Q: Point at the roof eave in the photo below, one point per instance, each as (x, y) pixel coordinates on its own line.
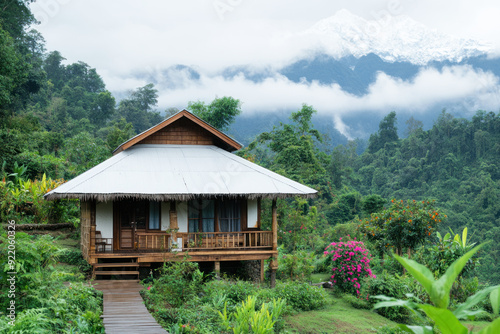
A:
(168, 197)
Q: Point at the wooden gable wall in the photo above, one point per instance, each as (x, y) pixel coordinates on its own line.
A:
(181, 132)
(182, 128)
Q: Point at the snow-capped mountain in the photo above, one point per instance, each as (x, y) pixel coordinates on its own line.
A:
(392, 38)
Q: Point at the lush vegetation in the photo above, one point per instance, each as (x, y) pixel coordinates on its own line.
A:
(50, 297)
(399, 190)
(202, 304)
(439, 294)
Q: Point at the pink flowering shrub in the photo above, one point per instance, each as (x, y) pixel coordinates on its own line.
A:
(351, 263)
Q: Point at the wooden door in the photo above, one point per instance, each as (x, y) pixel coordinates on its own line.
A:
(133, 216)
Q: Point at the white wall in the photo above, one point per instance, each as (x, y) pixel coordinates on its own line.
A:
(104, 219)
(182, 216)
(252, 213)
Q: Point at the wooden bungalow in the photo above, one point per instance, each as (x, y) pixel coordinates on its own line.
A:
(175, 189)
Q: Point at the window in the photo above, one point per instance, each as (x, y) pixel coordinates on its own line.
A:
(214, 216)
(154, 215)
(141, 215)
(201, 215)
(229, 216)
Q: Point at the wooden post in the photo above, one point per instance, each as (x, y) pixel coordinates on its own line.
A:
(217, 269)
(92, 240)
(274, 261)
(275, 226)
(262, 276)
(174, 226)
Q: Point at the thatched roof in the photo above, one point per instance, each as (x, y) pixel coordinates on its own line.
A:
(177, 172)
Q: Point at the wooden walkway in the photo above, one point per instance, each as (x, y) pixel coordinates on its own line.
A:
(124, 310)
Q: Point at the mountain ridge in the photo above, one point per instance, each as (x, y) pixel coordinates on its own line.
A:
(392, 37)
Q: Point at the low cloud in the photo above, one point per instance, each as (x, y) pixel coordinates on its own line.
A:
(464, 86)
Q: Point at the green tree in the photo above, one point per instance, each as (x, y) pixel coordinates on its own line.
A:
(83, 151)
(373, 203)
(55, 69)
(293, 145)
(220, 113)
(82, 75)
(139, 108)
(15, 17)
(340, 165)
(387, 133)
(413, 126)
(118, 133)
(402, 225)
(171, 111)
(102, 108)
(13, 71)
(343, 208)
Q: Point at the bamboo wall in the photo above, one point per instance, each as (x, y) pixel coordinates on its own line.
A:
(85, 222)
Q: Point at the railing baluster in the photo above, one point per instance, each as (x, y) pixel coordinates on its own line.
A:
(206, 240)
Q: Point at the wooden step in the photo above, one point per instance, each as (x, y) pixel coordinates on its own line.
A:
(107, 273)
(113, 265)
(115, 256)
(111, 283)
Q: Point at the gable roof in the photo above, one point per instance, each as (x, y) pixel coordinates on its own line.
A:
(177, 172)
(220, 139)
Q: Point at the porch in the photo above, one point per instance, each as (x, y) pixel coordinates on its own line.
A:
(147, 242)
(126, 253)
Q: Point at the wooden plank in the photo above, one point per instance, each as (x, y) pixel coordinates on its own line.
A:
(110, 265)
(117, 272)
(124, 310)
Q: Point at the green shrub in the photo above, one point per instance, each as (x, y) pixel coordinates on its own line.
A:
(443, 318)
(74, 257)
(463, 288)
(235, 291)
(295, 266)
(44, 304)
(199, 312)
(247, 319)
(445, 251)
(194, 317)
(357, 302)
(340, 231)
(389, 285)
(300, 296)
(323, 264)
(387, 264)
(22, 201)
(180, 281)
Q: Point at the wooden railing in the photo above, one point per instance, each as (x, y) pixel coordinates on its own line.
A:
(226, 240)
(152, 241)
(200, 241)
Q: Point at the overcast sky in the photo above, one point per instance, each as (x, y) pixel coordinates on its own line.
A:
(122, 37)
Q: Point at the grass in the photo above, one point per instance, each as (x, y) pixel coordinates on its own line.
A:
(338, 317)
(475, 326)
(318, 278)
